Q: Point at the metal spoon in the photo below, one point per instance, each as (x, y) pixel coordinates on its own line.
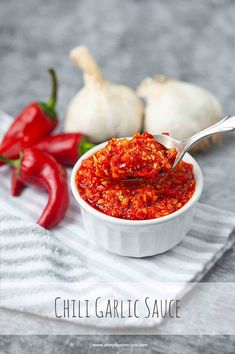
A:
(224, 125)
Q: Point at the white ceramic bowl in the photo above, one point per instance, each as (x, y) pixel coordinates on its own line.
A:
(137, 238)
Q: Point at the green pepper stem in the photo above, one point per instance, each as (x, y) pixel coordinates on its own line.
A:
(84, 146)
(12, 163)
(54, 86)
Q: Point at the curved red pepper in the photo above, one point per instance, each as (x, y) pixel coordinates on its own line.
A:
(38, 168)
(16, 185)
(34, 123)
(66, 148)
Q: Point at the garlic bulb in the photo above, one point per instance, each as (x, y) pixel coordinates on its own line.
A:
(102, 110)
(179, 108)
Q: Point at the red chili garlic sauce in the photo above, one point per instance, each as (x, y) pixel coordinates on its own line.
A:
(100, 179)
(140, 156)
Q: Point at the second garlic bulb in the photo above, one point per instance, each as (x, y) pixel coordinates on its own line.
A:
(179, 108)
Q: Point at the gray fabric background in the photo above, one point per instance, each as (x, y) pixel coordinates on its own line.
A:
(131, 39)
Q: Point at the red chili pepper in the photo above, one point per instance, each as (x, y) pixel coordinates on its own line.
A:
(16, 185)
(34, 123)
(38, 168)
(66, 148)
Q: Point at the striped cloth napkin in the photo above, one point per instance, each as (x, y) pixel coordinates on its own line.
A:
(37, 265)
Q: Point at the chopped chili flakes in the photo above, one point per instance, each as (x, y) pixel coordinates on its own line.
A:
(152, 196)
(141, 156)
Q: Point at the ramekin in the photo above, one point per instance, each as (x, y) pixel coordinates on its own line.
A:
(137, 238)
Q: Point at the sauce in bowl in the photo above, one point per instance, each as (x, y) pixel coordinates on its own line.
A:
(106, 180)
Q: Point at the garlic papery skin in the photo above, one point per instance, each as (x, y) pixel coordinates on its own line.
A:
(102, 110)
(182, 109)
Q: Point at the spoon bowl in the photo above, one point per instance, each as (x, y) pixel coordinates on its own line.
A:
(171, 143)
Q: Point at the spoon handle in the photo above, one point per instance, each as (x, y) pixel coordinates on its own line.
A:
(224, 125)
